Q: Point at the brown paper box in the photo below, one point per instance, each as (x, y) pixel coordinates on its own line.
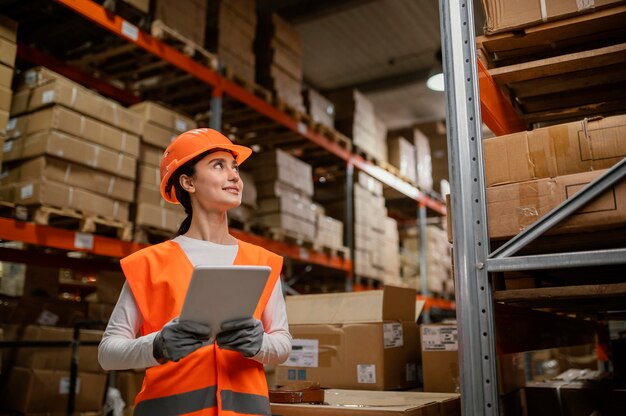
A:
(157, 135)
(187, 17)
(8, 51)
(511, 208)
(6, 76)
(504, 15)
(5, 98)
(164, 117)
(50, 88)
(555, 151)
(4, 119)
(63, 196)
(71, 122)
(129, 384)
(389, 361)
(31, 391)
(155, 216)
(150, 155)
(66, 147)
(148, 175)
(8, 29)
(71, 174)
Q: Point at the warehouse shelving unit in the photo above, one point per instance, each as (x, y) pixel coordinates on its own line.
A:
(480, 321)
(216, 92)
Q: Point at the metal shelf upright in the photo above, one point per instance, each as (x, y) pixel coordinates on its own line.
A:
(472, 256)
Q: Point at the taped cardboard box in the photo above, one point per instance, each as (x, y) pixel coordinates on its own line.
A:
(558, 150)
(6, 76)
(289, 223)
(369, 403)
(155, 216)
(4, 119)
(150, 155)
(60, 171)
(45, 88)
(503, 15)
(164, 117)
(5, 98)
(75, 124)
(148, 175)
(8, 29)
(158, 136)
(44, 192)
(72, 149)
(402, 155)
(295, 205)
(31, 391)
(333, 355)
(57, 358)
(187, 17)
(390, 304)
(151, 195)
(8, 52)
(512, 208)
(320, 108)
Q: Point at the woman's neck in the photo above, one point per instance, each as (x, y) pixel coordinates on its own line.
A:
(211, 227)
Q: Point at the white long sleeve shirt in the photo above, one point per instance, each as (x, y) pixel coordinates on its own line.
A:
(120, 349)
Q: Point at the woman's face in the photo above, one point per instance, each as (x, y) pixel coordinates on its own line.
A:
(216, 185)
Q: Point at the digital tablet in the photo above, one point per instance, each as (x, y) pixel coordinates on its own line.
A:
(218, 294)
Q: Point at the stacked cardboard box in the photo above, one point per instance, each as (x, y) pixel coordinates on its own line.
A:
(330, 331)
(8, 50)
(355, 117)
(390, 252)
(109, 285)
(503, 15)
(38, 381)
(186, 17)
(279, 59)
(231, 27)
(320, 108)
(245, 212)
(329, 231)
(529, 173)
(438, 259)
(160, 126)
(402, 155)
(69, 147)
(284, 190)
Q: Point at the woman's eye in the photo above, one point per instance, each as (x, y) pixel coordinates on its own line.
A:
(236, 168)
(219, 165)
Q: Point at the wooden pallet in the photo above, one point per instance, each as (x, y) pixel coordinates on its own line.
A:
(69, 219)
(341, 252)
(367, 156)
(248, 85)
(580, 33)
(288, 237)
(292, 111)
(396, 172)
(188, 47)
(333, 135)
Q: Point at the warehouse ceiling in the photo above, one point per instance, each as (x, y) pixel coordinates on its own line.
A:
(386, 48)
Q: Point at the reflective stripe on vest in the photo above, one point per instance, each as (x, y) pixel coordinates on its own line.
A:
(245, 403)
(178, 404)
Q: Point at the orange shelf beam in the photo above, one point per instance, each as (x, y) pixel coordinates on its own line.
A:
(45, 236)
(497, 111)
(120, 27)
(295, 252)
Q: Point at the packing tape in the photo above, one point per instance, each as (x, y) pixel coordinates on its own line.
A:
(70, 196)
(116, 208)
(120, 161)
(74, 94)
(544, 10)
(96, 156)
(123, 147)
(111, 185)
(585, 4)
(68, 172)
(82, 124)
(115, 115)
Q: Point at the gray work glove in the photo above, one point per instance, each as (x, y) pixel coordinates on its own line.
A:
(177, 339)
(243, 335)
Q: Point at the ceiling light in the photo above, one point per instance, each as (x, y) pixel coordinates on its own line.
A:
(435, 81)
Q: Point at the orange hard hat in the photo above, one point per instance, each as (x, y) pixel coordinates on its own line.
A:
(189, 145)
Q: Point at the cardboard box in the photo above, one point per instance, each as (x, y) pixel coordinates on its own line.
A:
(75, 124)
(158, 136)
(42, 311)
(288, 223)
(558, 150)
(60, 171)
(369, 403)
(511, 208)
(4, 120)
(72, 149)
(148, 175)
(187, 17)
(30, 391)
(50, 358)
(8, 29)
(333, 355)
(129, 384)
(249, 195)
(503, 15)
(390, 304)
(280, 166)
(141, 5)
(294, 205)
(6, 77)
(164, 117)
(35, 192)
(402, 155)
(150, 155)
(320, 108)
(440, 358)
(155, 216)
(47, 88)
(8, 51)
(5, 98)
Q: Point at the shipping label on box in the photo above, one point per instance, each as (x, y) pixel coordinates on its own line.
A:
(366, 373)
(393, 335)
(439, 338)
(304, 353)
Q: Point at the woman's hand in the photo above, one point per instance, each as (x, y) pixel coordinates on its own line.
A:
(242, 335)
(178, 339)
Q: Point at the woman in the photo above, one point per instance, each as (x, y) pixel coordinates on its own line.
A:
(199, 170)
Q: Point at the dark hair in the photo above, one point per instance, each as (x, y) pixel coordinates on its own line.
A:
(189, 169)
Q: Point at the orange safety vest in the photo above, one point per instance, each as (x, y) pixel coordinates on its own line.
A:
(211, 380)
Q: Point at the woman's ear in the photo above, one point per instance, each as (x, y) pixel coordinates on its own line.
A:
(187, 183)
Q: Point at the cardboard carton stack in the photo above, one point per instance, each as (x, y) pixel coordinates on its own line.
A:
(438, 260)
(70, 148)
(160, 126)
(402, 155)
(529, 173)
(186, 17)
(38, 380)
(330, 330)
(355, 117)
(320, 108)
(279, 60)
(8, 50)
(284, 190)
(231, 27)
(329, 231)
(390, 252)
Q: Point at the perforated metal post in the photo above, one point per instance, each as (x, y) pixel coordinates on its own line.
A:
(474, 305)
